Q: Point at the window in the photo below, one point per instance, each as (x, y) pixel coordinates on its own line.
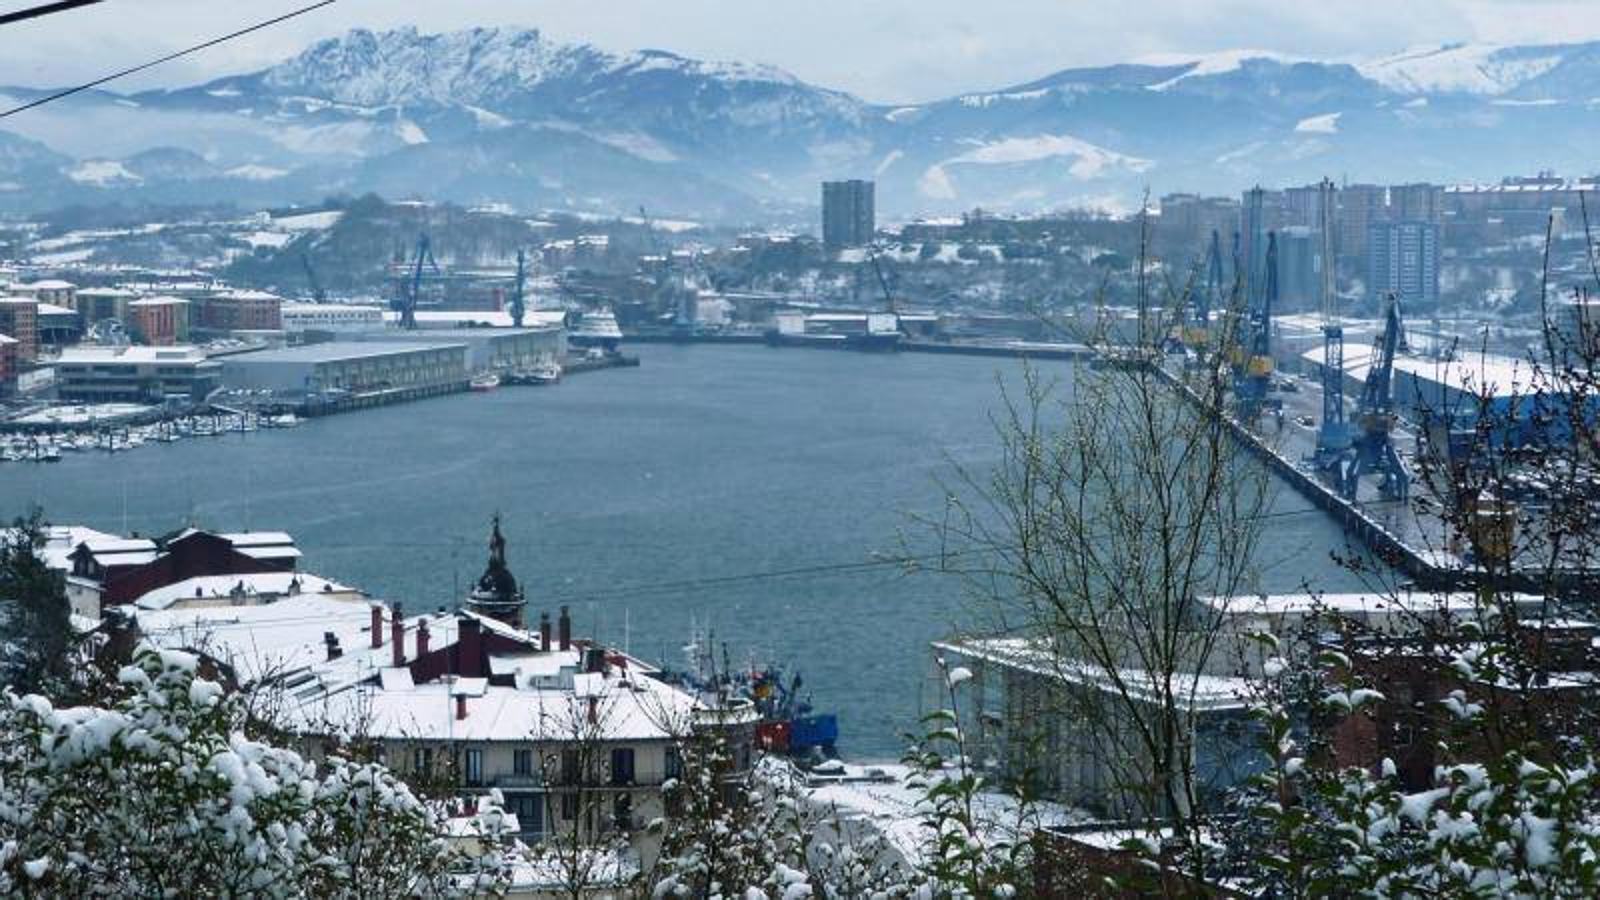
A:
(529, 810)
(622, 812)
(474, 766)
(674, 763)
(422, 760)
(522, 762)
(622, 765)
(569, 767)
(569, 806)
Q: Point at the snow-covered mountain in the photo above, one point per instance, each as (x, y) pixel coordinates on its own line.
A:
(508, 115)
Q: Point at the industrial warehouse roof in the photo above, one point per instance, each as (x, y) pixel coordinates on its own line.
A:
(1473, 372)
(533, 319)
(135, 354)
(336, 351)
(1203, 692)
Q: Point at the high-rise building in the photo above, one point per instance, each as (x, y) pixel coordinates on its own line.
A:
(1403, 259)
(849, 216)
(1299, 267)
(1261, 213)
(1420, 202)
(1359, 205)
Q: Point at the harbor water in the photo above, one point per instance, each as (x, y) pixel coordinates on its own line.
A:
(740, 488)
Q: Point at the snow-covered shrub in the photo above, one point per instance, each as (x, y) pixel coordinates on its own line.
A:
(163, 794)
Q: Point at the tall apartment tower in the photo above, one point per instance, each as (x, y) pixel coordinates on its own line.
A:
(1403, 259)
(849, 215)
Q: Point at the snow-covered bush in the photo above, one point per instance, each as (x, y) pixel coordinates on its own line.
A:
(1521, 823)
(163, 794)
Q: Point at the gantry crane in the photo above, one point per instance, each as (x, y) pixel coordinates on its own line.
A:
(1250, 390)
(411, 290)
(1333, 434)
(1374, 447)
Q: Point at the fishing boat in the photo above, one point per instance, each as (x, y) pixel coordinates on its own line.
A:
(486, 382)
(789, 725)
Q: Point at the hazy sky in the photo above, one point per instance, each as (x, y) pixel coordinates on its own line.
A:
(883, 50)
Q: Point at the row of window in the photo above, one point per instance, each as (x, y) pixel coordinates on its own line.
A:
(622, 771)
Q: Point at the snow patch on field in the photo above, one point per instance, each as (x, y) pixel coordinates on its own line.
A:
(252, 172)
(102, 173)
(410, 132)
(1484, 69)
(1219, 63)
(309, 221)
(1323, 124)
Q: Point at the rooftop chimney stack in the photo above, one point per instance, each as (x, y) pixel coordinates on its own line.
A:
(422, 637)
(398, 626)
(461, 706)
(594, 710)
(377, 625)
(332, 641)
(544, 631)
(564, 629)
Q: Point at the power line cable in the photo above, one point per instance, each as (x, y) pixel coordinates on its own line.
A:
(67, 92)
(45, 9)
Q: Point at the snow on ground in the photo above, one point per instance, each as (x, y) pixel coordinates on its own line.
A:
(1323, 124)
(256, 173)
(1218, 63)
(904, 112)
(890, 807)
(61, 257)
(309, 221)
(273, 239)
(101, 172)
(1086, 160)
(1458, 68)
(410, 132)
(485, 118)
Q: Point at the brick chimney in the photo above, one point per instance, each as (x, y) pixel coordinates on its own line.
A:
(461, 706)
(544, 631)
(398, 626)
(422, 637)
(332, 642)
(564, 629)
(377, 625)
(469, 648)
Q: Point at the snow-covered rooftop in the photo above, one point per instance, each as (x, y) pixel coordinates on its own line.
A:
(245, 588)
(1204, 692)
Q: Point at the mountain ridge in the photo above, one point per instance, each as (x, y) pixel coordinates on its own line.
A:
(509, 115)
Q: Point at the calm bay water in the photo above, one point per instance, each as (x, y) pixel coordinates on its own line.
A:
(633, 495)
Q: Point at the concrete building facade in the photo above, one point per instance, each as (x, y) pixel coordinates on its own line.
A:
(136, 374)
(1403, 260)
(159, 321)
(19, 318)
(356, 367)
(242, 311)
(849, 213)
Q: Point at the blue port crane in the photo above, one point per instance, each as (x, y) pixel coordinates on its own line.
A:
(1374, 447)
(410, 290)
(519, 307)
(1333, 434)
(1250, 390)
